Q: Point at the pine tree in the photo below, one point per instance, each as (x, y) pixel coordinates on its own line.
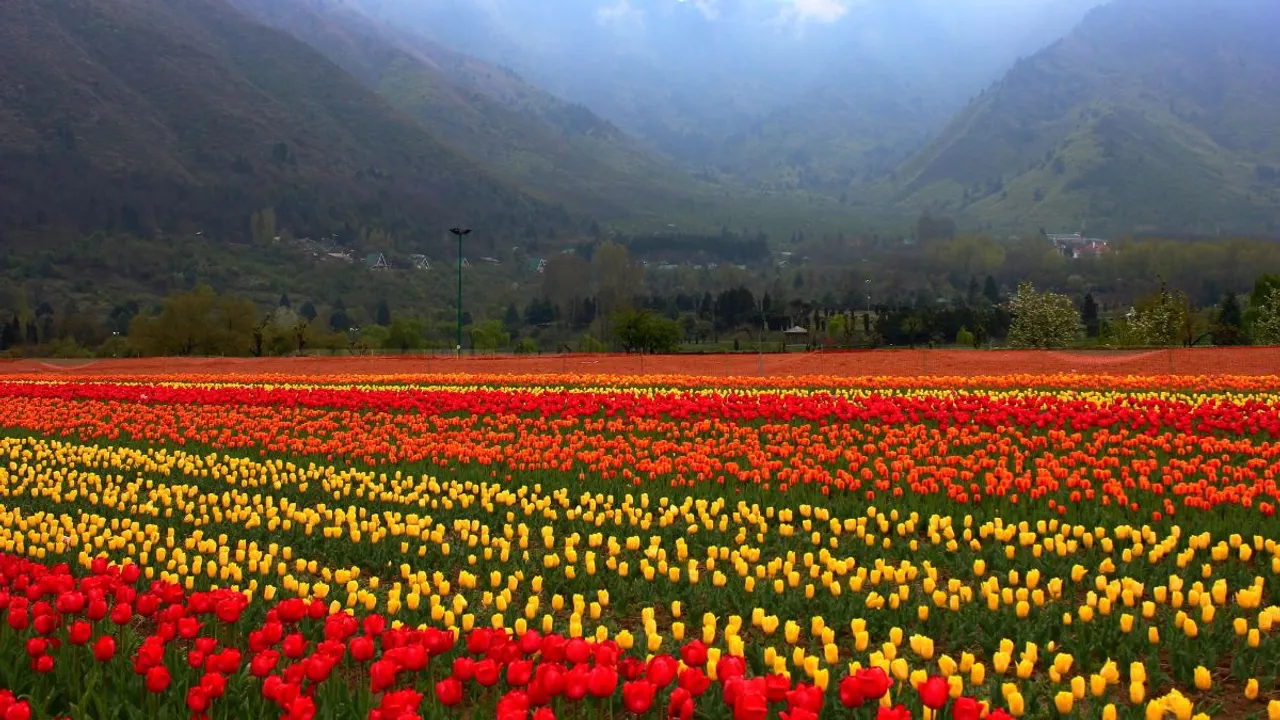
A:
(991, 291)
(1228, 327)
(1089, 314)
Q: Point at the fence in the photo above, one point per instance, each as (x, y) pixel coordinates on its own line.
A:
(863, 363)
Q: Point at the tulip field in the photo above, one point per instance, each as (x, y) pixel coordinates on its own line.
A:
(606, 546)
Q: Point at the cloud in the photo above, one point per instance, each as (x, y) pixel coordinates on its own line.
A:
(621, 14)
(710, 9)
(824, 11)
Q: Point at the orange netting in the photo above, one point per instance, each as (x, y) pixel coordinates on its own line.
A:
(877, 363)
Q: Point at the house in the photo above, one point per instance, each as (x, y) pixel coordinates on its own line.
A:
(420, 262)
(377, 261)
(465, 263)
(491, 260)
(538, 265)
(1076, 245)
(343, 255)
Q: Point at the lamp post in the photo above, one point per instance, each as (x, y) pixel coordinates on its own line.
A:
(460, 232)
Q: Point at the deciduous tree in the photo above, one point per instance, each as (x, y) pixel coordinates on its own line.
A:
(1042, 319)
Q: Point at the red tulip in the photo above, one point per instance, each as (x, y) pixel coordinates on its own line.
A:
(851, 693)
(730, 666)
(382, 675)
(575, 683)
(37, 646)
(966, 708)
(20, 710)
(544, 713)
(362, 649)
(681, 705)
(519, 673)
(576, 651)
(602, 681)
(487, 673)
(897, 712)
(449, 692)
(934, 692)
(873, 682)
(638, 696)
(661, 670)
(197, 700)
(104, 648)
(776, 687)
(464, 668)
(530, 642)
(751, 705)
(805, 696)
(694, 653)
(157, 679)
(549, 678)
(694, 681)
(263, 663)
(513, 706)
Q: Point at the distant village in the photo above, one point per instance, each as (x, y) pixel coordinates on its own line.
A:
(1075, 246)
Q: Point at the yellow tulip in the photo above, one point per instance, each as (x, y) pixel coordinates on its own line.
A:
(1203, 679)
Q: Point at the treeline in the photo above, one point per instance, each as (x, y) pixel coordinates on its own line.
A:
(583, 300)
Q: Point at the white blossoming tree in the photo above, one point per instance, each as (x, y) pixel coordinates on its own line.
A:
(1160, 320)
(1266, 325)
(1043, 319)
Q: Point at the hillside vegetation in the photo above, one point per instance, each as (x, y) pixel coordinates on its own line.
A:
(132, 116)
(1150, 115)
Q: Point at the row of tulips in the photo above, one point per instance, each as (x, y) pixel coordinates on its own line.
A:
(157, 651)
(1154, 455)
(1098, 592)
(1096, 381)
(1005, 536)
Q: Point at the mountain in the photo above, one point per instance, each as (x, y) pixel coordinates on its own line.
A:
(160, 115)
(1150, 115)
(560, 151)
(776, 95)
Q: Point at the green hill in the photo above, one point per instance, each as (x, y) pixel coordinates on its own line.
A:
(142, 116)
(1153, 115)
(559, 151)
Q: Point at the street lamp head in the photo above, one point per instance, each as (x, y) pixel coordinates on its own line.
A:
(460, 231)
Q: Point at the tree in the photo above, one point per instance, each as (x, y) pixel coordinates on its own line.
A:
(1266, 325)
(382, 314)
(308, 311)
(991, 291)
(1159, 320)
(1228, 326)
(646, 331)
(511, 320)
(199, 322)
(404, 335)
(618, 280)
(1089, 314)
(488, 336)
(1042, 319)
(913, 326)
(284, 301)
(262, 226)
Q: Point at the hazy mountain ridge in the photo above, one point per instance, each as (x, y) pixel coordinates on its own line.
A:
(1150, 115)
(557, 150)
(145, 115)
(748, 87)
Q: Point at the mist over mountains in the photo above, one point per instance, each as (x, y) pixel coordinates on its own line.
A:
(754, 87)
(1008, 115)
